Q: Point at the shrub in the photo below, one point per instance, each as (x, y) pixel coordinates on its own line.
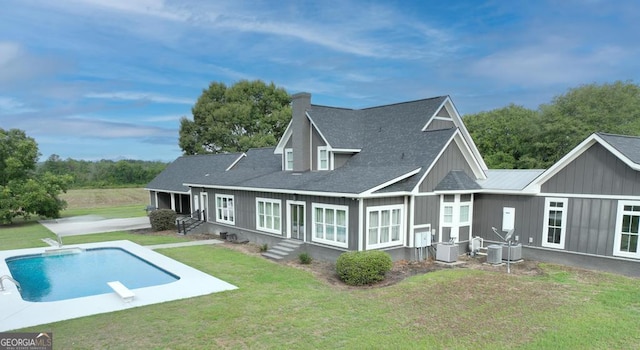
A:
(163, 219)
(264, 247)
(305, 258)
(360, 268)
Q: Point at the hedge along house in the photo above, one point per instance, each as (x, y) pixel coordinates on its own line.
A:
(583, 211)
(344, 179)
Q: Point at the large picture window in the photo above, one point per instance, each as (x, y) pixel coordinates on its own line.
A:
(268, 215)
(555, 222)
(224, 209)
(330, 224)
(384, 226)
(627, 229)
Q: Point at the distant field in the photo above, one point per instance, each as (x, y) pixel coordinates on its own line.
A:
(105, 197)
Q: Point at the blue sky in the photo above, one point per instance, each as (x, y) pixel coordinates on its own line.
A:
(110, 79)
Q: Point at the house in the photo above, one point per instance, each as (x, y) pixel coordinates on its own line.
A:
(375, 178)
(583, 211)
(342, 179)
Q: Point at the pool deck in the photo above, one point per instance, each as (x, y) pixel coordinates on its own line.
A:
(17, 313)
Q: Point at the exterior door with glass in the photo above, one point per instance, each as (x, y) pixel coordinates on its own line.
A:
(296, 215)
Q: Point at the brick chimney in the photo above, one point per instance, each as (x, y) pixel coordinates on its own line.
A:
(301, 133)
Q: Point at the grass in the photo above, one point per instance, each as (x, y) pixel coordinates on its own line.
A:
(105, 197)
(278, 306)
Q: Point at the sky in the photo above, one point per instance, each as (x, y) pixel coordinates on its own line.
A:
(110, 79)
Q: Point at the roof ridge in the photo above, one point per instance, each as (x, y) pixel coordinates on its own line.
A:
(618, 135)
(405, 102)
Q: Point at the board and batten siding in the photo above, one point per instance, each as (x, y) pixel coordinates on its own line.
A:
(590, 226)
(316, 141)
(529, 216)
(451, 159)
(596, 171)
(438, 124)
(245, 211)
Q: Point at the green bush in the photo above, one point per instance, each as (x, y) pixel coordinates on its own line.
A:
(305, 258)
(163, 219)
(264, 248)
(361, 268)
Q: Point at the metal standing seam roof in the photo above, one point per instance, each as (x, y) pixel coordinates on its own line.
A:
(509, 179)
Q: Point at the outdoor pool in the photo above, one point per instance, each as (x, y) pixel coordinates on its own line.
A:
(73, 273)
(184, 282)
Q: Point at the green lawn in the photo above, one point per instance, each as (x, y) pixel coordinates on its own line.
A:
(281, 307)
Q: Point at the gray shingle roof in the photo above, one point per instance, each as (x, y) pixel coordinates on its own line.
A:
(185, 168)
(629, 146)
(457, 180)
(392, 145)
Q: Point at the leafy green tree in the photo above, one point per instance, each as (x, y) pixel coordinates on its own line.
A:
(233, 119)
(572, 117)
(516, 137)
(505, 136)
(22, 191)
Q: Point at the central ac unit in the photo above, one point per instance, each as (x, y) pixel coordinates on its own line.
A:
(494, 254)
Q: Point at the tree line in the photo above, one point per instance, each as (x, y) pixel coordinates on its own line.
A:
(515, 137)
(102, 173)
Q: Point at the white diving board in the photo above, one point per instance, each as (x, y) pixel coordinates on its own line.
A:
(125, 293)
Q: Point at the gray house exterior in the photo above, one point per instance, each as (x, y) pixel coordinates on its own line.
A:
(583, 211)
(362, 179)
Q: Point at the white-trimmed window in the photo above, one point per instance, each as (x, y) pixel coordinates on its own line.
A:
(323, 158)
(224, 209)
(330, 224)
(384, 226)
(288, 159)
(268, 214)
(627, 229)
(456, 211)
(555, 222)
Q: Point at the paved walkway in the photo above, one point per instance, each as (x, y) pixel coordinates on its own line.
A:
(80, 225)
(184, 244)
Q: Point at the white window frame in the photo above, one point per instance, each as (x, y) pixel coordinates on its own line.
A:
(455, 215)
(563, 218)
(288, 158)
(618, 233)
(314, 224)
(327, 158)
(378, 226)
(274, 218)
(230, 210)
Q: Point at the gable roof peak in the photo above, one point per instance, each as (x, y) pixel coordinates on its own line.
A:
(407, 102)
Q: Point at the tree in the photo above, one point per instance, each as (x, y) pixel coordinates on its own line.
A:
(572, 117)
(22, 192)
(246, 115)
(515, 137)
(505, 136)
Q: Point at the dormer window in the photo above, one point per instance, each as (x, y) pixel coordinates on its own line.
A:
(288, 159)
(323, 158)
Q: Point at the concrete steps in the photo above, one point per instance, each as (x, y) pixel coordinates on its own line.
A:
(284, 250)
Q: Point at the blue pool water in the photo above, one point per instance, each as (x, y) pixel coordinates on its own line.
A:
(52, 277)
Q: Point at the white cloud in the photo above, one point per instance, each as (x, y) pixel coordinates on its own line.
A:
(139, 96)
(548, 64)
(9, 105)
